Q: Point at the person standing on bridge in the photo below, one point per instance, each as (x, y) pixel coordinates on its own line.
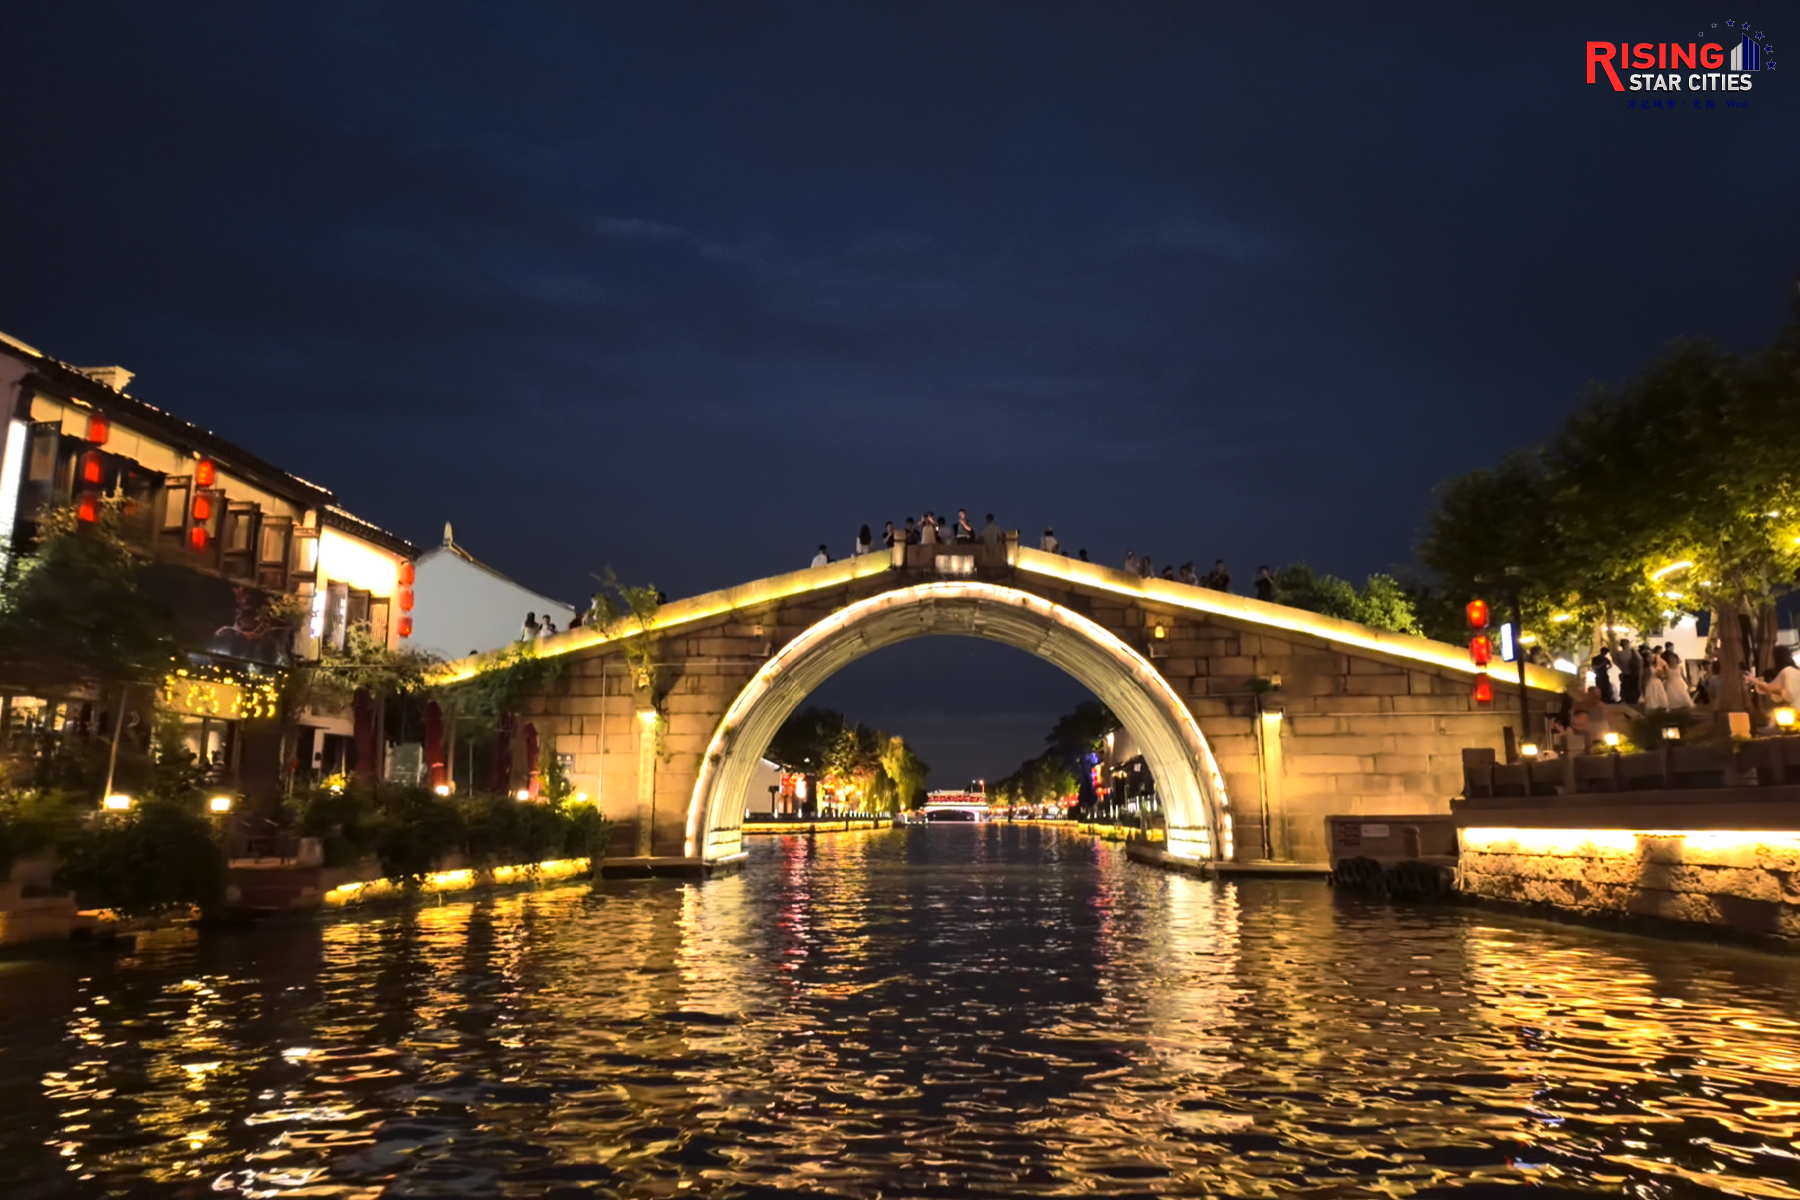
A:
(1265, 585)
(911, 537)
(529, 630)
(1048, 543)
(928, 530)
(891, 535)
(1220, 579)
(1131, 561)
(864, 541)
(822, 558)
(965, 532)
(991, 535)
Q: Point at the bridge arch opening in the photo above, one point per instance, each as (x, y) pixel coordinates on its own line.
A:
(1188, 778)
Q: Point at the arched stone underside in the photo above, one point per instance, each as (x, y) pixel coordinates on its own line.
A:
(1187, 776)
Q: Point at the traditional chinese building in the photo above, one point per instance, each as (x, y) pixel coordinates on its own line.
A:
(230, 538)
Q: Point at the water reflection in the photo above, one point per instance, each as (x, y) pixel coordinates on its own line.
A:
(959, 1010)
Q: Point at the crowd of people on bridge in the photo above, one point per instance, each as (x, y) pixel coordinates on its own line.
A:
(933, 530)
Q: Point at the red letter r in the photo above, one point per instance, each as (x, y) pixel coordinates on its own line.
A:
(1600, 54)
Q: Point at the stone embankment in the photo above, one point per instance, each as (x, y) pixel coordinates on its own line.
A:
(1745, 882)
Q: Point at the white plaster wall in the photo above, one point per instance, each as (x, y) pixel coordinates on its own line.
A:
(459, 607)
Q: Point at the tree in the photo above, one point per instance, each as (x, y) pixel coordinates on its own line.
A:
(1382, 603)
(880, 766)
(73, 614)
(904, 773)
(1678, 491)
(805, 738)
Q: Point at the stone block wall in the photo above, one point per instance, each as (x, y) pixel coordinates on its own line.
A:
(1748, 882)
(1357, 735)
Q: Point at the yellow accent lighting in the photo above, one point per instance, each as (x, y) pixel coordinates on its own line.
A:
(219, 804)
(116, 803)
(1165, 592)
(1529, 750)
(1611, 739)
(1683, 565)
(1339, 634)
(458, 881)
(1784, 717)
(1623, 843)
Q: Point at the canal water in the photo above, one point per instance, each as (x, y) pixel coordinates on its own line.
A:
(971, 1010)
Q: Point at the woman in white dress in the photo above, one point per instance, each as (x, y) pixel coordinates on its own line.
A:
(1674, 684)
(1655, 695)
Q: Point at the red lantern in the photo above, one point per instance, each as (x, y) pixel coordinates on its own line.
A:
(204, 472)
(92, 469)
(405, 627)
(1481, 649)
(1484, 691)
(1478, 614)
(406, 599)
(88, 507)
(99, 429)
(202, 508)
(197, 538)
(406, 573)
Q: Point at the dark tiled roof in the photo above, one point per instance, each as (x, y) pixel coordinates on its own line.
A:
(49, 375)
(333, 517)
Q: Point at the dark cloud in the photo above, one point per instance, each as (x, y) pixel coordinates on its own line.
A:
(687, 288)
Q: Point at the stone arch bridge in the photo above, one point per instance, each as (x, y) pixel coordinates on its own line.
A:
(1364, 721)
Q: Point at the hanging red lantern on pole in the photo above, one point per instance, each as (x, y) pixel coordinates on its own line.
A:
(202, 508)
(204, 473)
(1478, 614)
(1484, 691)
(87, 508)
(99, 429)
(93, 468)
(197, 538)
(1481, 650)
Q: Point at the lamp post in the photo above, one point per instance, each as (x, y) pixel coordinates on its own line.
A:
(1513, 584)
(1513, 580)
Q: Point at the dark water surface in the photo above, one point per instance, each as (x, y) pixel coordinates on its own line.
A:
(951, 1011)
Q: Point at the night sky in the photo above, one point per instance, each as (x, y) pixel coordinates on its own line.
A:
(688, 289)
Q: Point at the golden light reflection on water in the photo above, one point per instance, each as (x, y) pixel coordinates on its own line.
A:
(980, 1009)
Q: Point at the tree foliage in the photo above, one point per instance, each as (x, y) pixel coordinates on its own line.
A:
(161, 856)
(503, 683)
(73, 613)
(885, 772)
(1381, 603)
(621, 611)
(1678, 491)
(1058, 772)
